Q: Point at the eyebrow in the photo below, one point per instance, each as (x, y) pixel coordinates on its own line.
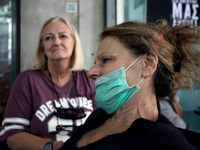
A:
(103, 53)
(56, 33)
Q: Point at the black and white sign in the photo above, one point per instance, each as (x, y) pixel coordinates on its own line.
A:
(175, 11)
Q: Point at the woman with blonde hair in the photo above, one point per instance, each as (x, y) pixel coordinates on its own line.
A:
(48, 102)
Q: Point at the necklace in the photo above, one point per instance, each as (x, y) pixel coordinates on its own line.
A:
(69, 87)
(62, 89)
(74, 113)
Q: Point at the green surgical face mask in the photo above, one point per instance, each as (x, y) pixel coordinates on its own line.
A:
(112, 90)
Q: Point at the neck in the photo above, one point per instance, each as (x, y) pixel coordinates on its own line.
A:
(59, 66)
(60, 73)
(141, 105)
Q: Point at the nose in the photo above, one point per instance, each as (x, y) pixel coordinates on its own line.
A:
(57, 40)
(94, 72)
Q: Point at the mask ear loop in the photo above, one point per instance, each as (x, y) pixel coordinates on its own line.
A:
(140, 81)
(131, 65)
(133, 62)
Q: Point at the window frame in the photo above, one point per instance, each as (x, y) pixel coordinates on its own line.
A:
(15, 63)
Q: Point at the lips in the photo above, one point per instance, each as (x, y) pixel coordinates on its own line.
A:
(55, 50)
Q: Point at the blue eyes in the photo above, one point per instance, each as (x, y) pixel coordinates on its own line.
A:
(51, 37)
(63, 36)
(48, 38)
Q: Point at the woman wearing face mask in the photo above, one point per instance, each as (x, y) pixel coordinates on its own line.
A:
(133, 68)
(48, 102)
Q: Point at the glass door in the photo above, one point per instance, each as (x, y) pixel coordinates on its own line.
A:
(5, 52)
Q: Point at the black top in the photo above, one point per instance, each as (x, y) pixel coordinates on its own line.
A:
(142, 135)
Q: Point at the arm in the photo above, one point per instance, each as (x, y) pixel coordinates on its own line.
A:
(20, 124)
(28, 141)
(168, 111)
(176, 105)
(174, 100)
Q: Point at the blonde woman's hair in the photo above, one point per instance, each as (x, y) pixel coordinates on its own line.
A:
(77, 56)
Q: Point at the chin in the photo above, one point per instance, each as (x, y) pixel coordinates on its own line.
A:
(58, 58)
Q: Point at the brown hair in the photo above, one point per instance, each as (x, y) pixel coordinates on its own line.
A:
(175, 50)
(77, 57)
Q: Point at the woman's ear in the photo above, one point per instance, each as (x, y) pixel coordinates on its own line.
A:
(149, 65)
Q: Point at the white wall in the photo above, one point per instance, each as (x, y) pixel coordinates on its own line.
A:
(88, 20)
(91, 23)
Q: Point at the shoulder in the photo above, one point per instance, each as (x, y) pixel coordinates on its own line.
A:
(82, 73)
(167, 132)
(165, 104)
(162, 128)
(161, 134)
(27, 76)
(164, 100)
(82, 76)
(28, 73)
